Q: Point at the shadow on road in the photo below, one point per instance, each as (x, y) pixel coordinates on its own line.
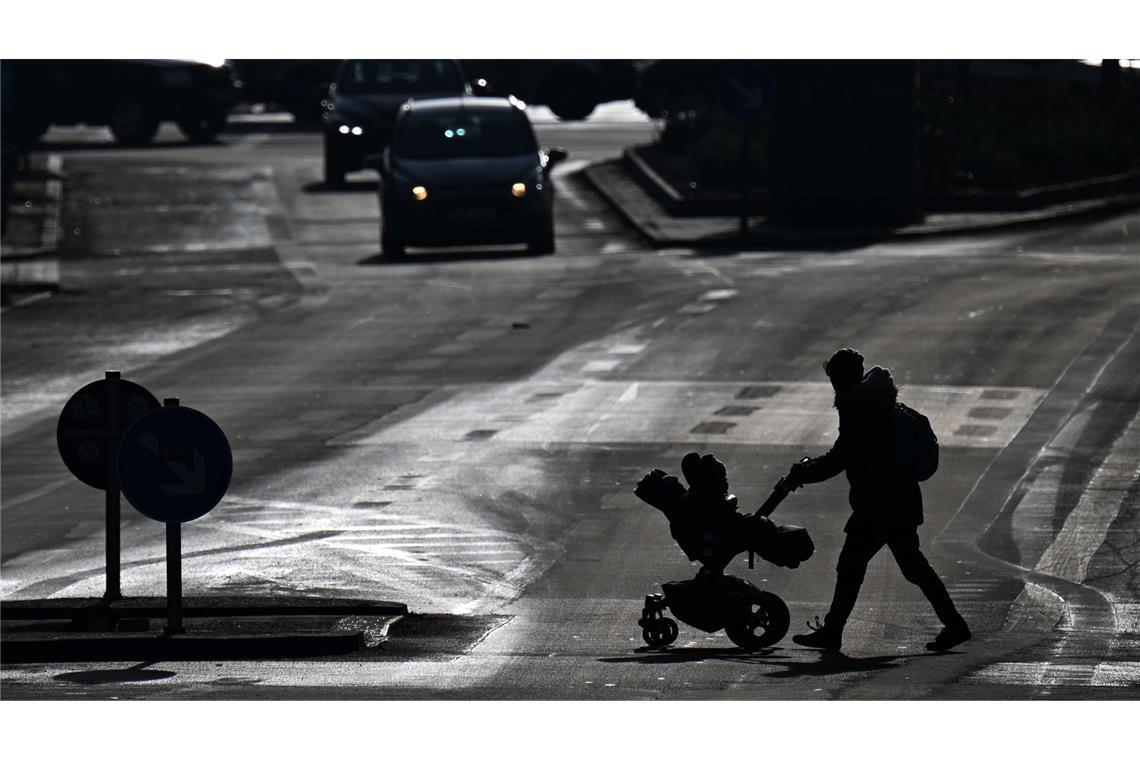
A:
(647, 656)
(134, 674)
(713, 247)
(828, 664)
(447, 256)
(365, 186)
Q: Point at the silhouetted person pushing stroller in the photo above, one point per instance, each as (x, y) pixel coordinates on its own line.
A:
(885, 497)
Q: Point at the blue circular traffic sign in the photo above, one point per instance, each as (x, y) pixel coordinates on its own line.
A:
(175, 464)
(746, 91)
(92, 421)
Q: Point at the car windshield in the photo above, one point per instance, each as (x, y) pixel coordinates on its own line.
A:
(399, 76)
(463, 135)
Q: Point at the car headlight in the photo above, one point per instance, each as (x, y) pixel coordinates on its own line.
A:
(344, 129)
(419, 192)
(518, 189)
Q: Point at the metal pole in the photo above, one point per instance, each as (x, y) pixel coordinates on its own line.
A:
(174, 578)
(745, 179)
(113, 590)
(173, 566)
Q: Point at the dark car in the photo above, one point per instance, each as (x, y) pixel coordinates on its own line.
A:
(365, 100)
(572, 88)
(466, 171)
(131, 97)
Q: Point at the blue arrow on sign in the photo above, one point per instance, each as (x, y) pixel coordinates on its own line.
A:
(175, 464)
(746, 91)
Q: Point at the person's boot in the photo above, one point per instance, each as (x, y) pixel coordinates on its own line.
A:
(826, 637)
(950, 637)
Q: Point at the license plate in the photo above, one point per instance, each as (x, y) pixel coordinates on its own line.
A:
(471, 214)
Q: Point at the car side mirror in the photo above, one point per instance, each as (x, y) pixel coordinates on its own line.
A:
(555, 155)
(377, 161)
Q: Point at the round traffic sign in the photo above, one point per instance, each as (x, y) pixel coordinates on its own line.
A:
(90, 425)
(746, 91)
(175, 464)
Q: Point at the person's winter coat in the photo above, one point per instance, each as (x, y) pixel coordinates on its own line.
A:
(882, 496)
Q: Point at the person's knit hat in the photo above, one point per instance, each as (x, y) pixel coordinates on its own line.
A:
(844, 368)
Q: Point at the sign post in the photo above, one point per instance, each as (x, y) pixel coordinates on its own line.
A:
(87, 434)
(174, 578)
(746, 95)
(175, 465)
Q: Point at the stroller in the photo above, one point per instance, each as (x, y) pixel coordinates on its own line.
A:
(704, 521)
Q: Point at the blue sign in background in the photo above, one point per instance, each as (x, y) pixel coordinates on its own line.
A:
(175, 464)
(746, 91)
(84, 433)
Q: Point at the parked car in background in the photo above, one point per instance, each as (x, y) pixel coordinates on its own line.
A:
(297, 85)
(571, 88)
(364, 102)
(130, 97)
(465, 171)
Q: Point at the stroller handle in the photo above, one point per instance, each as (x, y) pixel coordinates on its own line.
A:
(779, 493)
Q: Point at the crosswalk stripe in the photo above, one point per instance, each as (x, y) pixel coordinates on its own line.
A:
(602, 411)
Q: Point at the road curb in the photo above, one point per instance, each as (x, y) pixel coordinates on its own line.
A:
(645, 227)
(181, 647)
(221, 628)
(155, 607)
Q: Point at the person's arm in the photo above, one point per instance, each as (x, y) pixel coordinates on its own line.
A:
(821, 468)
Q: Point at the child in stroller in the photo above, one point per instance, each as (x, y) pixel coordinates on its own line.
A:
(705, 523)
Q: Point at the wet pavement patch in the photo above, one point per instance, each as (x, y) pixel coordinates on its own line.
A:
(996, 394)
(735, 411)
(713, 428)
(758, 391)
(989, 412)
(979, 431)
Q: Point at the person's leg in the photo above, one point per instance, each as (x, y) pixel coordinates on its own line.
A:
(858, 549)
(916, 569)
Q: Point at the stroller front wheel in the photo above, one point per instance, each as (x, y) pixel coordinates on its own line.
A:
(659, 633)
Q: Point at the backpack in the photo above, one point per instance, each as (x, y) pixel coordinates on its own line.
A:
(916, 446)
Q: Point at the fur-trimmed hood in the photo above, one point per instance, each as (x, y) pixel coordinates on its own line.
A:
(876, 389)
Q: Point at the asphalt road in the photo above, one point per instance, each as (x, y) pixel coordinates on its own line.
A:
(462, 432)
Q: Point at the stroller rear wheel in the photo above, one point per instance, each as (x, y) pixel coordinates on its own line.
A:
(761, 623)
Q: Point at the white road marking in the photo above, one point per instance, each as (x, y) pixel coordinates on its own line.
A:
(629, 395)
(601, 365)
(37, 493)
(1086, 526)
(719, 295)
(595, 225)
(571, 196)
(614, 247)
(1069, 553)
(1104, 674)
(627, 348)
